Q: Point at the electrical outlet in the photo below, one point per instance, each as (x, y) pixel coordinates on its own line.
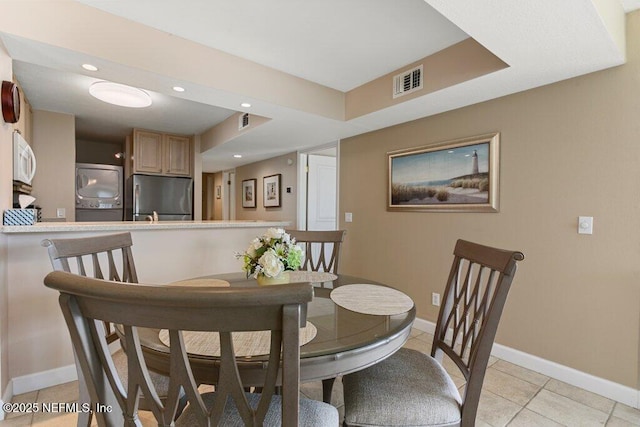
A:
(435, 299)
(348, 217)
(61, 213)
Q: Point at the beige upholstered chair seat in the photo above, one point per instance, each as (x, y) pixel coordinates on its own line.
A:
(312, 413)
(399, 383)
(161, 382)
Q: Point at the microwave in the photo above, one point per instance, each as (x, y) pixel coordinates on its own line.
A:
(24, 161)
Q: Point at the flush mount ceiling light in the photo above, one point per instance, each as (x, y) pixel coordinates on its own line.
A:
(121, 95)
(89, 67)
(237, 156)
(178, 89)
(245, 105)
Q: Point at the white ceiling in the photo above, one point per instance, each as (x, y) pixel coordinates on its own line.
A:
(336, 43)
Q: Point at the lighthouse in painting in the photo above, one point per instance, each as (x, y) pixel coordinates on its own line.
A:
(474, 163)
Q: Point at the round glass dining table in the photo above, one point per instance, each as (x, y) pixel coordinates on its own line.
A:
(346, 340)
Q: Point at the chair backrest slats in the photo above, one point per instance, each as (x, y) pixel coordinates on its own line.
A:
(86, 302)
(99, 253)
(321, 249)
(473, 301)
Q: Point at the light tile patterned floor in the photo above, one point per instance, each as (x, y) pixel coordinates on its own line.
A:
(512, 396)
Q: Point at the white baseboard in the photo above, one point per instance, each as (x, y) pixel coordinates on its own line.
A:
(609, 389)
(6, 397)
(40, 380)
(37, 381)
(424, 326)
(50, 378)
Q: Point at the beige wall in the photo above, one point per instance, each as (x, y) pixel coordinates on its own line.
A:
(287, 210)
(568, 149)
(54, 144)
(6, 200)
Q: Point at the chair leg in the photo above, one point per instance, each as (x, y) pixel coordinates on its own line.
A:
(84, 418)
(327, 389)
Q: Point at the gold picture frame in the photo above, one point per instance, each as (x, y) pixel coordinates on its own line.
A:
(454, 176)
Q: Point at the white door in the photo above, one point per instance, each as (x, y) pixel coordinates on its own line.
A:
(228, 196)
(321, 193)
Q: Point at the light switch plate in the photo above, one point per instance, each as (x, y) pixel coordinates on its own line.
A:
(585, 225)
(348, 217)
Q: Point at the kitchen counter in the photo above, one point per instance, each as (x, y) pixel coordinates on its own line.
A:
(52, 227)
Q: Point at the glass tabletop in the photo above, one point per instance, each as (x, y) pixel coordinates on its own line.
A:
(346, 340)
(338, 329)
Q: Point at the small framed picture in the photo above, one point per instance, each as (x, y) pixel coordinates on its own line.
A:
(271, 191)
(218, 191)
(249, 193)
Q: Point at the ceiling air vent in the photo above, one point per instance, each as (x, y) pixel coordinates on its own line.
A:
(407, 82)
(243, 121)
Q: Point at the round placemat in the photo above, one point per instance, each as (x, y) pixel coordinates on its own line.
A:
(255, 343)
(202, 282)
(372, 299)
(311, 276)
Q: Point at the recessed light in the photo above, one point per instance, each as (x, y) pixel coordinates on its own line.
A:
(89, 67)
(237, 156)
(245, 105)
(178, 89)
(121, 95)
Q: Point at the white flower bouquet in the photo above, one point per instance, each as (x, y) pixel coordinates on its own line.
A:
(271, 254)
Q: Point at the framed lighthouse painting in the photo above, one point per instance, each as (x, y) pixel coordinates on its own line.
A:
(453, 176)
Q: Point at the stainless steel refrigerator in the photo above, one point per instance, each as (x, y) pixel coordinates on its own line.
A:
(170, 197)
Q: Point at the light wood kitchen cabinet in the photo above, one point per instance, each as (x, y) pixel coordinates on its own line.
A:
(162, 154)
(177, 155)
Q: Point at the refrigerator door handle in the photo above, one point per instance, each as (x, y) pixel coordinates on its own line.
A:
(136, 197)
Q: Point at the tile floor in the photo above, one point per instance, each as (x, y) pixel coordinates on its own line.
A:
(512, 396)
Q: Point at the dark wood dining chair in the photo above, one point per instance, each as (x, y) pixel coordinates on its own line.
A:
(321, 249)
(412, 388)
(103, 257)
(87, 302)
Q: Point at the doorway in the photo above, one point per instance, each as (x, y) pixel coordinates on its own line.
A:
(318, 181)
(218, 196)
(208, 200)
